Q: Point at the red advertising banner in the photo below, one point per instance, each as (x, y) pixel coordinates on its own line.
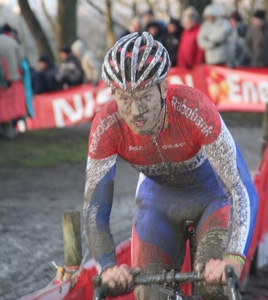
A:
(243, 89)
(230, 89)
(68, 107)
(237, 90)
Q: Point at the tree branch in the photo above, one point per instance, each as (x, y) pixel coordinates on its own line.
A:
(95, 6)
(49, 19)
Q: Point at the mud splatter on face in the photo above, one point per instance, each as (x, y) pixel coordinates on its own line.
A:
(140, 109)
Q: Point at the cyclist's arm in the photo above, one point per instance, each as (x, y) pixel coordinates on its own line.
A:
(97, 208)
(223, 156)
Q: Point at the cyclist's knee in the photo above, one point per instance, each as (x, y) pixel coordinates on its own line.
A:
(209, 291)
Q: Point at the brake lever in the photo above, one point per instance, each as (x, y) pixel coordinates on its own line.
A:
(100, 291)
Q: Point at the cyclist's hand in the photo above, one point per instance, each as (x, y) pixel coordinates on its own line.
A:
(214, 269)
(119, 279)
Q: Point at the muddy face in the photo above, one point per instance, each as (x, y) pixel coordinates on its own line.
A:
(141, 109)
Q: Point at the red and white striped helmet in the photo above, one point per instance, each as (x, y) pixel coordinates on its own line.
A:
(135, 62)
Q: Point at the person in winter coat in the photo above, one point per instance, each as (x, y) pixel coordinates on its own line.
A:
(10, 54)
(89, 62)
(236, 41)
(212, 37)
(9, 49)
(189, 53)
(256, 40)
(69, 72)
(172, 39)
(43, 79)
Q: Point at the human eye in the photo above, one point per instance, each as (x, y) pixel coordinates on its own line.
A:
(146, 97)
(124, 98)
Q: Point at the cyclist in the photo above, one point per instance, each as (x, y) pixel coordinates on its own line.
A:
(190, 169)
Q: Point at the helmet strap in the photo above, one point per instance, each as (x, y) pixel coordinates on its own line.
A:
(160, 91)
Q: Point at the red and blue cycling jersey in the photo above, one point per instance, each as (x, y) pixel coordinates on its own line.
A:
(194, 148)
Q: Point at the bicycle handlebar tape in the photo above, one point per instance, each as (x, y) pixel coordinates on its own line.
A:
(100, 291)
(168, 277)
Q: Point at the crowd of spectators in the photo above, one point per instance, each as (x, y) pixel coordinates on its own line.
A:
(77, 65)
(216, 38)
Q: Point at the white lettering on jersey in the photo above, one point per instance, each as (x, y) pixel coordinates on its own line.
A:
(101, 128)
(192, 115)
(136, 148)
(174, 146)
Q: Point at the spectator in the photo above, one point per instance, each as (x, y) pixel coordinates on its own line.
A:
(9, 31)
(43, 78)
(237, 22)
(27, 72)
(90, 64)
(236, 42)
(155, 29)
(9, 49)
(135, 26)
(69, 72)
(189, 53)
(148, 18)
(256, 40)
(212, 37)
(172, 39)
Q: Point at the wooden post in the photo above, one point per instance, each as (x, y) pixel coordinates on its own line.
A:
(264, 130)
(72, 241)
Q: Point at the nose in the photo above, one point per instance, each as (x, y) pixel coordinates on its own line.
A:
(137, 108)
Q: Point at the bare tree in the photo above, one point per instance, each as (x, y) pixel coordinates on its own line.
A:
(265, 2)
(49, 18)
(64, 28)
(66, 23)
(35, 28)
(109, 23)
(109, 20)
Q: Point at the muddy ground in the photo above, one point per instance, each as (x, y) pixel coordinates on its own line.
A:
(32, 202)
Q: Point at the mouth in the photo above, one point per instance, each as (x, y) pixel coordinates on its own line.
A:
(139, 123)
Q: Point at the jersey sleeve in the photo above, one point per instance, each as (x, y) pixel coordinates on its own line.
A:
(227, 162)
(97, 209)
(99, 187)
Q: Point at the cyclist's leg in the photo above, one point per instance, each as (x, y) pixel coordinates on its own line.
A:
(212, 237)
(156, 244)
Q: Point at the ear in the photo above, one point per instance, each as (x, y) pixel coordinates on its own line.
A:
(164, 88)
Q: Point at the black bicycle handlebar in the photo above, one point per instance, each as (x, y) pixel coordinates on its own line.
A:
(232, 282)
(170, 277)
(167, 277)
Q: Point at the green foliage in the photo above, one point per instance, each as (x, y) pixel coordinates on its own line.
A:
(45, 148)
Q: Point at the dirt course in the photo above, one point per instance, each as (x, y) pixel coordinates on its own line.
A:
(32, 202)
